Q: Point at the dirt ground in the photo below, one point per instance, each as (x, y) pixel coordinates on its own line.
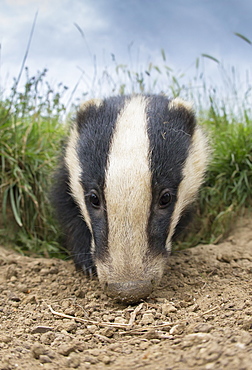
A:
(199, 318)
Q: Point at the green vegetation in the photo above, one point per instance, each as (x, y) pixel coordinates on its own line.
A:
(227, 191)
(32, 134)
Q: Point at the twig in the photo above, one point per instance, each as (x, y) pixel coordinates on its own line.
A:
(85, 321)
(211, 309)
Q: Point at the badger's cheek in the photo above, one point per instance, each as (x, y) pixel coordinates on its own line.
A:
(130, 286)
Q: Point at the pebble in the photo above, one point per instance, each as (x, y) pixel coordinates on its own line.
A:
(5, 339)
(203, 328)
(66, 349)
(195, 338)
(44, 359)
(73, 360)
(92, 328)
(41, 329)
(13, 297)
(177, 329)
(29, 299)
(70, 327)
(22, 288)
(91, 359)
(120, 320)
(105, 359)
(47, 338)
(144, 345)
(38, 350)
(148, 318)
(167, 308)
(11, 271)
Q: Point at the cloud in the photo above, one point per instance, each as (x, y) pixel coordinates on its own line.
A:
(133, 30)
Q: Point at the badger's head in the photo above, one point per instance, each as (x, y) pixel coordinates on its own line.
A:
(135, 164)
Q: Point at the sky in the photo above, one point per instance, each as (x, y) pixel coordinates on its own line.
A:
(75, 39)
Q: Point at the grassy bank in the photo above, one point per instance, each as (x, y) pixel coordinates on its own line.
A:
(32, 134)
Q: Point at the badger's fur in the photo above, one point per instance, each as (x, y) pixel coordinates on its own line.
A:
(131, 168)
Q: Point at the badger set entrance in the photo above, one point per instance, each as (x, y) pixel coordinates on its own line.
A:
(131, 167)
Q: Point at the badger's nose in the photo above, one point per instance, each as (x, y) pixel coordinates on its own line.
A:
(130, 291)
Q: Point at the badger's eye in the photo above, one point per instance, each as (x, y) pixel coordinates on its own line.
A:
(165, 199)
(94, 199)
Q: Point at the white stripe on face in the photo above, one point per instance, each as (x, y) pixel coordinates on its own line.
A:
(128, 192)
(74, 169)
(193, 175)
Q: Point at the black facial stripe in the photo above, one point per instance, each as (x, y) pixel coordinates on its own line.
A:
(95, 126)
(170, 131)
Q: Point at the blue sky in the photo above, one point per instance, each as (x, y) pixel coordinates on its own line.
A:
(133, 30)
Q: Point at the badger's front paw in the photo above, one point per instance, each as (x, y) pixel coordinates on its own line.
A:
(89, 270)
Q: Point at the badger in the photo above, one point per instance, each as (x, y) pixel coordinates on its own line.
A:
(130, 170)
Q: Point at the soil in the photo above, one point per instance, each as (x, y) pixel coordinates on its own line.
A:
(200, 317)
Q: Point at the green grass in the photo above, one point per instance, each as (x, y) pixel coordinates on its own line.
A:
(227, 191)
(32, 135)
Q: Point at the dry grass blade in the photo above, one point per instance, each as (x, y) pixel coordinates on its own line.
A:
(87, 321)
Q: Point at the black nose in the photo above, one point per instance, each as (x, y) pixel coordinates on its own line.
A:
(130, 291)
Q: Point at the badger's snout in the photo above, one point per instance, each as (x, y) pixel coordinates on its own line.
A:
(131, 167)
(130, 291)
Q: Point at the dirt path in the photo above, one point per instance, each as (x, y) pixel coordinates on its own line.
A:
(199, 318)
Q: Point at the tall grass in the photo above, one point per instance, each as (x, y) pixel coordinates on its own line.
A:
(32, 135)
(227, 191)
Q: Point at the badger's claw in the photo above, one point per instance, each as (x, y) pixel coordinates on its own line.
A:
(89, 270)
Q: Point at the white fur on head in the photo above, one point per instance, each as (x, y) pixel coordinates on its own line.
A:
(128, 196)
(193, 176)
(74, 168)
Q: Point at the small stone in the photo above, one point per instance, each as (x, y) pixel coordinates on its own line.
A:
(41, 329)
(167, 308)
(11, 271)
(245, 338)
(44, 359)
(177, 329)
(54, 270)
(38, 350)
(120, 320)
(92, 328)
(73, 360)
(144, 345)
(195, 338)
(148, 318)
(91, 359)
(79, 293)
(66, 349)
(29, 299)
(44, 271)
(47, 338)
(105, 359)
(224, 257)
(13, 297)
(70, 327)
(5, 339)
(22, 288)
(203, 328)
(107, 332)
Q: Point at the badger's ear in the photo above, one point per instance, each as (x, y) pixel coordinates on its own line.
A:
(89, 103)
(180, 104)
(183, 115)
(87, 111)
